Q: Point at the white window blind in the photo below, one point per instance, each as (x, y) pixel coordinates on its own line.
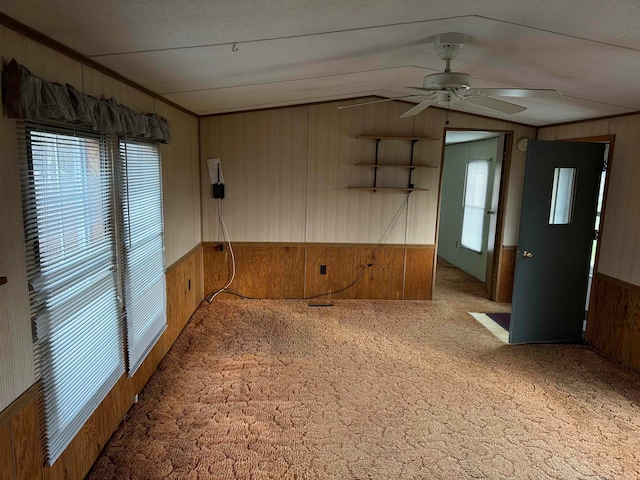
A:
(144, 281)
(71, 260)
(475, 198)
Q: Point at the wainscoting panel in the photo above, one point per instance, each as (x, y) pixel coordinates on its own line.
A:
(275, 270)
(262, 270)
(7, 468)
(344, 266)
(613, 326)
(506, 273)
(25, 439)
(20, 443)
(419, 273)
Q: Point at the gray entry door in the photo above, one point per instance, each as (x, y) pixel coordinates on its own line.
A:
(554, 244)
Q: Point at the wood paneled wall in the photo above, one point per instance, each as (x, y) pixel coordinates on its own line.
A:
(506, 273)
(20, 444)
(180, 184)
(335, 214)
(613, 326)
(293, 270)
(287, 171)
(264, 164)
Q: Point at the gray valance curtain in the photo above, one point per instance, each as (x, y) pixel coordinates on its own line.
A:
(28, 97)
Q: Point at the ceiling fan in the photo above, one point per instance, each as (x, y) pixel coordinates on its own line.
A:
(455, 87)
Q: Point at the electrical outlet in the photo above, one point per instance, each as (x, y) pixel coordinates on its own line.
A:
(323, 269)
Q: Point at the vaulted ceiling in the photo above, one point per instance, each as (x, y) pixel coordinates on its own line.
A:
(221, 56)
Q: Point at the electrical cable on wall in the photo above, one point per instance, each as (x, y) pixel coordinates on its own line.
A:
(392, 224)
(381, 244)
(225, 234)
(217, 191)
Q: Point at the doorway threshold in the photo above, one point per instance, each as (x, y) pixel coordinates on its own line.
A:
(492, 326)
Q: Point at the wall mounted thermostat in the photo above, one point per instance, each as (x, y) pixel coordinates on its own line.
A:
(522, 144)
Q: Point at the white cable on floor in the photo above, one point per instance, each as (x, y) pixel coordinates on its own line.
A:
(233, 257)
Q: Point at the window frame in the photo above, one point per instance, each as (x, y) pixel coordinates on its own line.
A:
(486, 162)
(112, 204)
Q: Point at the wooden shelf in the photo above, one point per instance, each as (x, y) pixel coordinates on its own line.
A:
(400, 189)
(391, 165)
(382, 137)
(376, 165)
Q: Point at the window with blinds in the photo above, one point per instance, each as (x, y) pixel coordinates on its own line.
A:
(71, 259)
(475, 199)
(94, 234)
(144, 281)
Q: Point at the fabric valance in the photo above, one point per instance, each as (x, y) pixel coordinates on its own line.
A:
(29, 97)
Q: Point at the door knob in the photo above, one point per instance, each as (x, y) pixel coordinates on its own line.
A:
(526, 254)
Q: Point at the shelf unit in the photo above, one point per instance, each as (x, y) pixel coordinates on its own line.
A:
(410, 166)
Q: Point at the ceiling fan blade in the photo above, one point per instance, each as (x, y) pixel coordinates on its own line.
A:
(492, 103)
(379, 101)
(418, 108)
(520, 92)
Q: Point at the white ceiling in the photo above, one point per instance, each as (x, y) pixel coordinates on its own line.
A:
(222, 56)
(462, 136)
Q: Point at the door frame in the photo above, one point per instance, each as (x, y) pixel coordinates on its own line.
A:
(610, 138)
(494, 287)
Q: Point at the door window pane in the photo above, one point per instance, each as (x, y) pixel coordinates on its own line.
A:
(475, 197)
(562, 196)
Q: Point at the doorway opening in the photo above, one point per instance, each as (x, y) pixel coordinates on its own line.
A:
(474, 166)
(597, 237)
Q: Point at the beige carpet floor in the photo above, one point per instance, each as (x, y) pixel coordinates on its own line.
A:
(375, 390)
